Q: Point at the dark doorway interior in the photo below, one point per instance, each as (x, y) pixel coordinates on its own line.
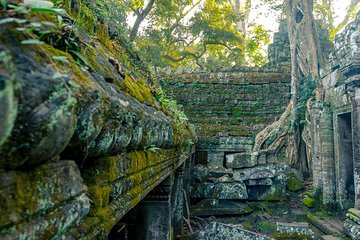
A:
(201, 157)
(346, 154)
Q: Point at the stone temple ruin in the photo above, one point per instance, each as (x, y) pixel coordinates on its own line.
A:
(93, 154)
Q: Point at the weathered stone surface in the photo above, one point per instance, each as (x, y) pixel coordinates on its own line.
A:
(347, 48)
(53, 225)
(49, 186)
(102, 114)
(220, 191)
(214, 207)
(200, 173)
(220, 231)
(257, 172)
(268, 193)
(80, 112)
(218, 172)
(230, 107)
(240, 160)
(259, 182)
(301, 228)
(352, 229)
(223, 179)
(329, 237)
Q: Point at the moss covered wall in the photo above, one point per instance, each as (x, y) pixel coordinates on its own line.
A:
(230, 108)
(82, 140)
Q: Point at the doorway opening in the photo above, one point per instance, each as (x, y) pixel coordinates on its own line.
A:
(346, 156)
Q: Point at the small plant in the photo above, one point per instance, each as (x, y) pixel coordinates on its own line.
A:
(152, 148)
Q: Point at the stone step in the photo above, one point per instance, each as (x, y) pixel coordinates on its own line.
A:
(330, 237)
(221, 231)
(327, 225)
(216, 207)
(301, 228)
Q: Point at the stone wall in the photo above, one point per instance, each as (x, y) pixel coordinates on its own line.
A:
(81, 144)
(333, 131)
(230, 108)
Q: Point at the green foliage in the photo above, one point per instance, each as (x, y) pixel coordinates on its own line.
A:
(255, 45)
(306, 90)
(195, 34)
(172, 106)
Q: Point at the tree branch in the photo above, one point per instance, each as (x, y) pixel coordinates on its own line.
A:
(140, 18)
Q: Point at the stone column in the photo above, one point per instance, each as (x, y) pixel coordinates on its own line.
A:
(315, 155)
(356, 144)
(177, 201)
(326, 137)
(152, 216)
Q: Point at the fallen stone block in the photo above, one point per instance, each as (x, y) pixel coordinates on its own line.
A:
(300, 228)
(235, 190)
(257, 172)
(221, 231)
(329, 237)
(216, 207)
(218, 172)
(200, 173)
(352, 229)
(259, 182)
(266, 193)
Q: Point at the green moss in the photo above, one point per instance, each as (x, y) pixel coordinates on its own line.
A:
(294, 183)
(277, 195)
(309, 202)
(138, 89)
(99, 195)
(291, 236)
(267, 227)
(311, 218)
(45, 54)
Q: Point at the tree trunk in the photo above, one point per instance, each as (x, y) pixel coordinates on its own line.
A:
(306, 60)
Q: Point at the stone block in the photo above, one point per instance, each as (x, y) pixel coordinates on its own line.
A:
(257, 172)
(352, 229)
(221, 231)
(301, 228)
(267, 193)
(200, 173)
(259, 182)
(240, 160)
(25, 194)
(218, 172)
(216, 207)
(329, 237)
(215, 159)
(220, 191)
(51, 225)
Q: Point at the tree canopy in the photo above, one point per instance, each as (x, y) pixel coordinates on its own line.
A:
(208, 34)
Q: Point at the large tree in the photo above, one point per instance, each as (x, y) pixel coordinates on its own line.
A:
(306, 60)
(207, 34)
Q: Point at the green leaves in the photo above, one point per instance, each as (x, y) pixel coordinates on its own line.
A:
(32, 41)
(59, 75)
(39, 4)
(11, 20)
(61, 59)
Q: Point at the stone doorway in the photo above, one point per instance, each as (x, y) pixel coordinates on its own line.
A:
(345, 160)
